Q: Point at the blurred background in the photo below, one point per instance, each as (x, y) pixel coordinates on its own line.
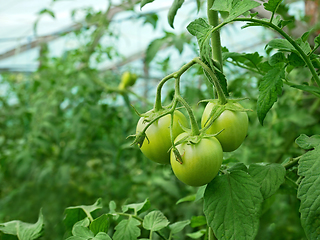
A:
(64, 123)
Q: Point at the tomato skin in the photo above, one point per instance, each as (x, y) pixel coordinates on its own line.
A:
(234, 123)
(157, 148)
(200, 161)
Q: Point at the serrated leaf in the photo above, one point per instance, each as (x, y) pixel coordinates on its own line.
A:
(178, 226)
(232, 204)
(295, 60)
(101, 224)
(282, 45)
(139, 207)
(307, 88)
(224, 6)
(197, 221)
(308, 143)
(202, 31)
(238, 166)
(272, 5)
(80, 229)
(173, 11)
(144, 2)
(277, 58)
(127, 229)
(239, 7)
(309, 191)
(269, 89)
(102, 236)
(269, 176)
(77, 213)
(24, 231)
(155, 221)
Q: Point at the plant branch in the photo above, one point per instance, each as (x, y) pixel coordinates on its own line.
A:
(213, 19)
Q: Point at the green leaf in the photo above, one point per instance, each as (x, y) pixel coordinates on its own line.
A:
(277, 58)
(173, 11)
(282, 45)
(307, 88)
(101, 224)
(234, 7)
(80, 229)
(178, 226)
(309, 191)
(76, 238)
(47, 11)
(155, 221)
(295, 60)
(138, 207)
(197, 235)
(251, 60)
(102, 236)
(200, 193)
(189, 198)
(269, 176)
(272, 5)
(308, 143)
(238, 166)
(74, 214)
(270, 87)
(222, 6)
(153, 48)
(144, 2)
(127, 229)
(197, 221)
(317, 40)
(232, 204)
(239, 7)
(24, 231)
(202, 31)
(151, 18)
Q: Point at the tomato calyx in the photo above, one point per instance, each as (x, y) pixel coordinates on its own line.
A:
(190, 139)
(218, 109)
(149, 117)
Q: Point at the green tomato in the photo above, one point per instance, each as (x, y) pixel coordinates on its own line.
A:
(158, 142)
(233, 123)
(128, 79)
(200, 161)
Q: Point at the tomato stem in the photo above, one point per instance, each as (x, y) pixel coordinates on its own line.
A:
(213, 19)
(177, 74)
(193, 122)
(222, 98)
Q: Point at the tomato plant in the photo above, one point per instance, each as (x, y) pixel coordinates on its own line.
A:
(157, 143)
(233, 124)
(201, 160)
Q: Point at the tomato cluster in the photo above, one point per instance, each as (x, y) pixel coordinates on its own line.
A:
(195, 160)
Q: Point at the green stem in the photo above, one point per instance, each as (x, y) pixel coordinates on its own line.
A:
(177, 74)
(293, 162)
(282, 33)
(222, 98)
(211, 234)
(213, 19)
(193, 122)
